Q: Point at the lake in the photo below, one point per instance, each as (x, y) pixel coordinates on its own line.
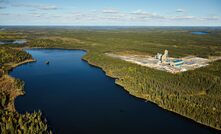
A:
(76, 97)
(200, 33)
(21, 41)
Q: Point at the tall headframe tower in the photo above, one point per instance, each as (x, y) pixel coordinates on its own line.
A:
(164, 57)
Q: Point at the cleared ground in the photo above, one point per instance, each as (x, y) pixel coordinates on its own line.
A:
(190, 62)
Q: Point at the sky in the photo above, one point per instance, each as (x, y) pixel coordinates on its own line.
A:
(111, 12)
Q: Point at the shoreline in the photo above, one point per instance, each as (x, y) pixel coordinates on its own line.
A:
(139, 96)
(20, 91)
(23, 62)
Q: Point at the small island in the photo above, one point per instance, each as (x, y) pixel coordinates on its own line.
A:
(47, 62)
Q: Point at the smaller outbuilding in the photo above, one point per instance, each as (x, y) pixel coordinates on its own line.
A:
(176, 63)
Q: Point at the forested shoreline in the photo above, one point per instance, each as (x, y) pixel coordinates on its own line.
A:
(10, 120)
(194, 94)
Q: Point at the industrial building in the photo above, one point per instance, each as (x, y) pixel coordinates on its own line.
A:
(163, 58)
(176, 63)
(165, 63)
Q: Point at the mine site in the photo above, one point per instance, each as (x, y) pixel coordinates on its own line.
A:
(165, 63)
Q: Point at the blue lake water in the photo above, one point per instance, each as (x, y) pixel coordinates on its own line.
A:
(78, 98)
(200, 33)
(22, 41)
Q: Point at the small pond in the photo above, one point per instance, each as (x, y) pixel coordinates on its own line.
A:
(200, 33)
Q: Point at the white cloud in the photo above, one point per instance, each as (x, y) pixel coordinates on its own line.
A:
(211, 18)
(180, 10)
(113, 18)
(182, 17)
(37, 6)
(38, 14)
(47, 7)
(146, 15)
(139, 12)
(110, 11)
(105, 16)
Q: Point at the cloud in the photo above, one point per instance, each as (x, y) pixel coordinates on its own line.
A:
(47, 7)
(112, 18)
(182, 17)
(37, 14)
(110, 11)
(37, 6)
(139, 12)
(180, 10)
(143, 14)
(194, 18)
(105, 16)
(137, 16)
(212, 18)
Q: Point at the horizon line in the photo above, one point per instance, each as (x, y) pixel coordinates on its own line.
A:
(117, 25)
